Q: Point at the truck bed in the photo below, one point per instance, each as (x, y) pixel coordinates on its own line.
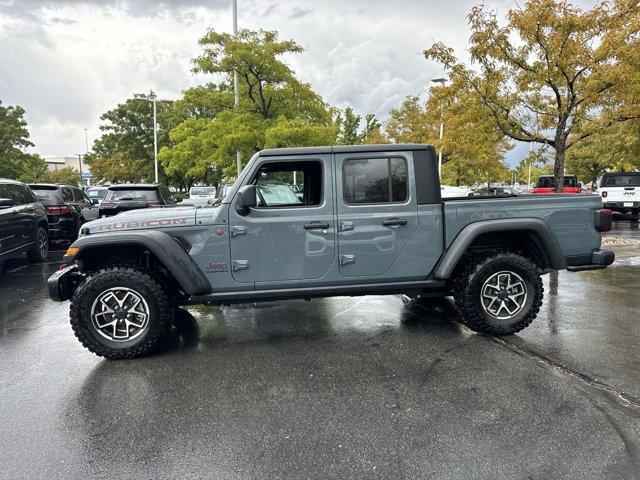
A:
(570, 217)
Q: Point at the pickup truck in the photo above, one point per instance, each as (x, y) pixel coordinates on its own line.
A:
(369, 220)
(620, 191)
(547, 184)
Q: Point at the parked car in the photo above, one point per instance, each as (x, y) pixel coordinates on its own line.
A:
(448, 191)
(546, 184)
(620, 191)
(371, 221)
(201, 196)
(23, 223)
(121, 198)
(96, 194)
(67, 208)
(493, 191)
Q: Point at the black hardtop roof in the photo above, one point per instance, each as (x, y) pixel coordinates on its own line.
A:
(136, 186)
(611, 174)
(389, 147)
(553, 176)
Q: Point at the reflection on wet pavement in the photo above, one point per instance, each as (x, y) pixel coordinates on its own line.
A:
(343, 387)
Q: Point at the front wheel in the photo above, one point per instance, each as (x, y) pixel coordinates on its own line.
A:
(120, 312)
(498, 294)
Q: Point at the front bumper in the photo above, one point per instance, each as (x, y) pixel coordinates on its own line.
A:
(598, 260)
(64, 282)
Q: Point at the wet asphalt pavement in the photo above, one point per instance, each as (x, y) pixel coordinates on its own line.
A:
(369, 387)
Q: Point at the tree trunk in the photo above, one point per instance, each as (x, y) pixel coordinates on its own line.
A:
(558, 168)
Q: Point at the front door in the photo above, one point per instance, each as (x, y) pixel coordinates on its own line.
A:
(377, 211)
(290, 235)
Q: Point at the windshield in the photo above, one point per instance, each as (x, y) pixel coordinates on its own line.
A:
(550, 182)
(621, 180)
(98, 193)
(140, 195)
(202, 191)
(49, 196)
(276, 194)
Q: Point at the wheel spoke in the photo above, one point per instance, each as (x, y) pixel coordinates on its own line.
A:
(503, 295)
(120, 314)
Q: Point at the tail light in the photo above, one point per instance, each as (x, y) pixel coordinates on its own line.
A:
(604, 194)
(57, 209)
(108, 205)
(602, 220)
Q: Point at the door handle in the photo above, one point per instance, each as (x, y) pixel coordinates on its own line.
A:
(316, 226)
(394, 222)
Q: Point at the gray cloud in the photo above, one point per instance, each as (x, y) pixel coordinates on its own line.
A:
(299, 12)
(31, 9)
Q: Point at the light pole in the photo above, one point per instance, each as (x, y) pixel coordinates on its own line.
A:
(153, 99)
(530, 162)
(441, 81)
(236, 91)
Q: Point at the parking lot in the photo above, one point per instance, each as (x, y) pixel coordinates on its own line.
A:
(333, 388)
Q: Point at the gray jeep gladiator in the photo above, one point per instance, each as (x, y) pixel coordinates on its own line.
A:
(319, 222)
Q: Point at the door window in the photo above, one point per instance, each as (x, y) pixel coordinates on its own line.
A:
(289, 184)
(375, 180)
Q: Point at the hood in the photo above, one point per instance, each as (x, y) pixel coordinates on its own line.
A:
(147, 218)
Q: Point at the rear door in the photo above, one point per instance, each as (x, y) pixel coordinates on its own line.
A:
(377, 211)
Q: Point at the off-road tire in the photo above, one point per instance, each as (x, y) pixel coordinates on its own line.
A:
(470, 280)
(160, 317)
(39, 253)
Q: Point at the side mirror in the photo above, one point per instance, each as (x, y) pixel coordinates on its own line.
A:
(6, 203)
(246, 199)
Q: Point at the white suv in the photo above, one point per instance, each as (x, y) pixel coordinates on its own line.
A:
(620, 191)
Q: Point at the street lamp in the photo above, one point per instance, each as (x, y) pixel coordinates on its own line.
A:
(236, 91)
(153, 99)
(441, 81)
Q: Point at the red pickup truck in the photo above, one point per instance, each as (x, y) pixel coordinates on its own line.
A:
(547, 184)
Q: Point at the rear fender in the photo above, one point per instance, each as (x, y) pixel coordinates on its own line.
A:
(534, 226)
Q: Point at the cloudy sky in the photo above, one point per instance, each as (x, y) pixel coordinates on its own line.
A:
(68, 61)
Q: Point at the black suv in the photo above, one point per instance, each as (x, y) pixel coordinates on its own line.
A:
(23, 223)
(121, 198)
(67, 208)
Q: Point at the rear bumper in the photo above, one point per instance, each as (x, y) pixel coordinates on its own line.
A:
(63, 283)
(620, 206)
(597, 260)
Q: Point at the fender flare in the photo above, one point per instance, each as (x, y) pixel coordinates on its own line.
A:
(162, 245)
(539, 228)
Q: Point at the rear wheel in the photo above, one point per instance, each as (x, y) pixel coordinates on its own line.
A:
(120, 312)
(41, 249)
(498, 294)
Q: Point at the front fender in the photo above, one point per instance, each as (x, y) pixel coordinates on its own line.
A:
(168, 251)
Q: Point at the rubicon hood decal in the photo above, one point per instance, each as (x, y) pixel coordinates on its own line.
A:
(133, 224)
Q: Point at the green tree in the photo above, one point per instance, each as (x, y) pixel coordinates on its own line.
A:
(544, 74)
(127, 141)
(275, 108)
(14, 139)
(65, 175)
(350, 131)
(34, 170)
(541, 164)
(473, 147)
